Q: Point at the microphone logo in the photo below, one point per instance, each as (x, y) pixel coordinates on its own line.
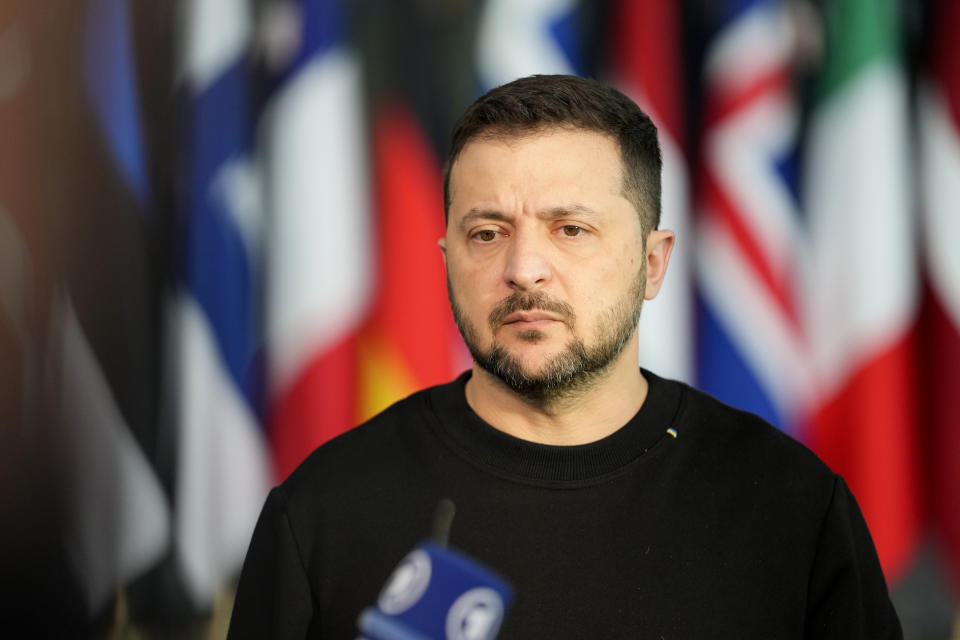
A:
(407, 583)
(476, 615)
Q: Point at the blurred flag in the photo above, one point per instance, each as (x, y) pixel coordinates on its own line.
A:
(109, 75)
(37, 584)
(118, 514)
(522, 37)
(863, 293)
(751, 351)
(24, 277)
(939, 126)
(215, 339)
(647, 66)
(409, 341)
(319, 275)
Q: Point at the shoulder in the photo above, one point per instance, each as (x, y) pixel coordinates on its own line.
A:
(743, 434)
(762, 492)
(370, 467)
(363, 450)
(735, 448)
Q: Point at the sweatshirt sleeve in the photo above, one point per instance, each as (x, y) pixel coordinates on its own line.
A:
(847, 593)
(273, 596)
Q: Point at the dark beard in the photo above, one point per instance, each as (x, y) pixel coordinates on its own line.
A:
(569, 372)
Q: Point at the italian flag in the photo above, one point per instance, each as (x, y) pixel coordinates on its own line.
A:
(862, 296)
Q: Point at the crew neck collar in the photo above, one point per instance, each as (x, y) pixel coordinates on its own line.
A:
(489, 447)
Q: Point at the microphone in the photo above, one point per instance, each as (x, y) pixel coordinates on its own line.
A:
(436, 593)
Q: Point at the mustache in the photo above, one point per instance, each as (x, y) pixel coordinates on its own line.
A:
(527, 302)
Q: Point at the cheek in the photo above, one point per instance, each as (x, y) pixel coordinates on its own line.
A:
(479, 276)
(472, 288)
(631, 252)
(607, 284)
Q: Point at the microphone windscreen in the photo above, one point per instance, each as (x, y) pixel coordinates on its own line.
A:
(436, 593)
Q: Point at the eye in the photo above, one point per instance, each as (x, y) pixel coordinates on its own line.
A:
(485, 235)
(572, 230)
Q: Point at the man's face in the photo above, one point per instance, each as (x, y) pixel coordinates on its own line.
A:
(545, 258)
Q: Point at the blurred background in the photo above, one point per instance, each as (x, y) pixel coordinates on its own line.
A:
(218, 224)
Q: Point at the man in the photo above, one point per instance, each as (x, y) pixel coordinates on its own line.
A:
(618, 504)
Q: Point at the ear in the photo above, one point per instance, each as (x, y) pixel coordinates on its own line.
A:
(442, 243)
(659, 246)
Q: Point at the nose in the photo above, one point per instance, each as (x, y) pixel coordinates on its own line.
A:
(528, 267)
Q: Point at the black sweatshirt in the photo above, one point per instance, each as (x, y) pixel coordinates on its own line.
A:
(727, 529)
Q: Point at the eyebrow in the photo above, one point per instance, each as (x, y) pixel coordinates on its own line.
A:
(572, 209)
(548, 214)
(483, 214)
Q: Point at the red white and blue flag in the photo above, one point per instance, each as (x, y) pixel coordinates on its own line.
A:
(215, 337)
(751, 351)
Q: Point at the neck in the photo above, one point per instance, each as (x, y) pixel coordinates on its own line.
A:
(586, 415)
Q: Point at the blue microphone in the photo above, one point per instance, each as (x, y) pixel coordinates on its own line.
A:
(436, 593)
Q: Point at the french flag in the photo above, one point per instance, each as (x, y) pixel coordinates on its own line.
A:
(319, 273)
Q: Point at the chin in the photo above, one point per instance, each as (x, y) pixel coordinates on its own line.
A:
(533, 363)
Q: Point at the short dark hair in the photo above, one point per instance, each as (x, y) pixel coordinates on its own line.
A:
(534, 103)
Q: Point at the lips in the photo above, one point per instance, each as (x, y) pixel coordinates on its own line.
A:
(529, 320)
(529, 311)
(525, 317)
